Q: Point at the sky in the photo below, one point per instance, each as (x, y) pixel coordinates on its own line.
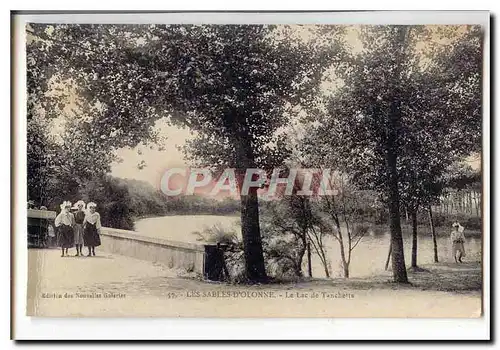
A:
(157, 161)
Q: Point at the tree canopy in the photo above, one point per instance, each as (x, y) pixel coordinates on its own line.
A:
(234, 85)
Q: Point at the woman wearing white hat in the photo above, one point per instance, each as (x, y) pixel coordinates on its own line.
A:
(65, 222)
(457, 241)
(92, 228)
(79, 218)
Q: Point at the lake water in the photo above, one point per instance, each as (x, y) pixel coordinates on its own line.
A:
(183, 227)
(368, 258)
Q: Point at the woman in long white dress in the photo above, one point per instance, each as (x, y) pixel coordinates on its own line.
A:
(457, 242)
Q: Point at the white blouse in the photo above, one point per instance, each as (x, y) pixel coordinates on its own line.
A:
(94, 219)
(65, 218)
(457, 235)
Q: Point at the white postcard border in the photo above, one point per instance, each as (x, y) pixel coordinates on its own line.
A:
(130, 328)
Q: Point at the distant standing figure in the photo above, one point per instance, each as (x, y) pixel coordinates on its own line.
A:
(79, 218)
(457, 242)
(65, 222)
(92, 228)
(51, 236)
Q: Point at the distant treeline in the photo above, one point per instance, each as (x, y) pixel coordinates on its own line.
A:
(122, 201)
(145, 200)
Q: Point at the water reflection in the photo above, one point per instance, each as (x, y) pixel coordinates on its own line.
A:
(368, 258)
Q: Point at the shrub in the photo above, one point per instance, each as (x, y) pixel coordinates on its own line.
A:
(218, 234)
(282, 241)
(474, 223)
(361, 229)
(233, 254)
(283, 257)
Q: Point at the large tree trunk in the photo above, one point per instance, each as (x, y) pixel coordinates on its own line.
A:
(433, 232)
(398, 258)
(414, 244)
(252, 242)
(393, 124)
(397, 248)
(250, 225)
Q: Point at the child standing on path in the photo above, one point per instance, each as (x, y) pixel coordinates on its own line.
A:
(79, 218)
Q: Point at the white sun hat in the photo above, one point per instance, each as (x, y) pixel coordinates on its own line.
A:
(65, 204)
(80, 202)
(460, 227)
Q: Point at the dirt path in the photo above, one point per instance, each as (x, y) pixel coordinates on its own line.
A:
(111, 286)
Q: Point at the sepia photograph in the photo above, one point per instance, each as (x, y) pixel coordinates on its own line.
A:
(262, 170)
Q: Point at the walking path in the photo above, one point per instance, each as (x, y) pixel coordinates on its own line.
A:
(112, 285)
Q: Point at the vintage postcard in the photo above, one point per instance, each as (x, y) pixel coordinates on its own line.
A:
(258, 166)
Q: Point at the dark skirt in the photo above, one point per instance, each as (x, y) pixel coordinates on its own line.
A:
(91, 236)
(65, 236)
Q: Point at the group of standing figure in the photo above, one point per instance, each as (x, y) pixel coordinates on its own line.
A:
(77, 229)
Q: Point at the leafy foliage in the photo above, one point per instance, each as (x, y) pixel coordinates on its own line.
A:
(402, 115)
(285, 224)
(439, 103)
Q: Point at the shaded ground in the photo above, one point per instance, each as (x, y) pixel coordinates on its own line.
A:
(447, 277)
(113, 286)
(459, 278)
